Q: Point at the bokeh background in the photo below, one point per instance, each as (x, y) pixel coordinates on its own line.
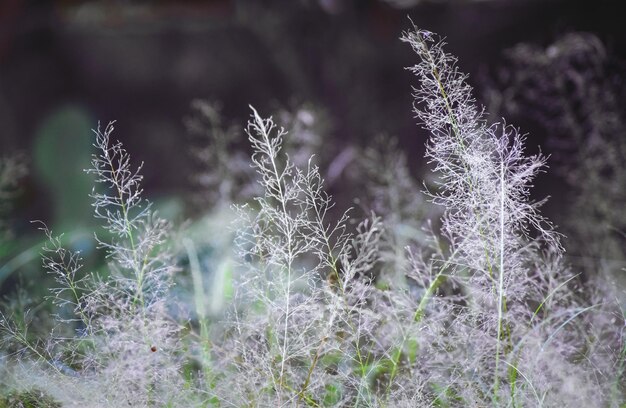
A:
(65, 65)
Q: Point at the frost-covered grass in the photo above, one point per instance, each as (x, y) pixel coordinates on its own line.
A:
(313, 307)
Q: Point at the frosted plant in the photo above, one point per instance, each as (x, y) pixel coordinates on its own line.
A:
(573, 90)
(484, 175)
(138, 333)
(301, 292)
(124, 348)
(498, 264)
(303, 196)
(137, 233)
(279, 241)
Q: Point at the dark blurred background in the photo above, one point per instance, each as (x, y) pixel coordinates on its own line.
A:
(65, 65)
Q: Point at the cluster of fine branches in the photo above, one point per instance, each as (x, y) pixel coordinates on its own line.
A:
(477, 308)
(113, 342)
(503, 259)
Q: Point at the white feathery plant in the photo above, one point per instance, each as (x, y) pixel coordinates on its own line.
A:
(569, 87)
(125, 345)
(285, 242)
(131, 304)
(489, 220)
(292, 277)
(275, 244)
(137, 233)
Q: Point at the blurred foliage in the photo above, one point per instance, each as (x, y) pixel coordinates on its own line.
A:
(61, 152)
(28, 399)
